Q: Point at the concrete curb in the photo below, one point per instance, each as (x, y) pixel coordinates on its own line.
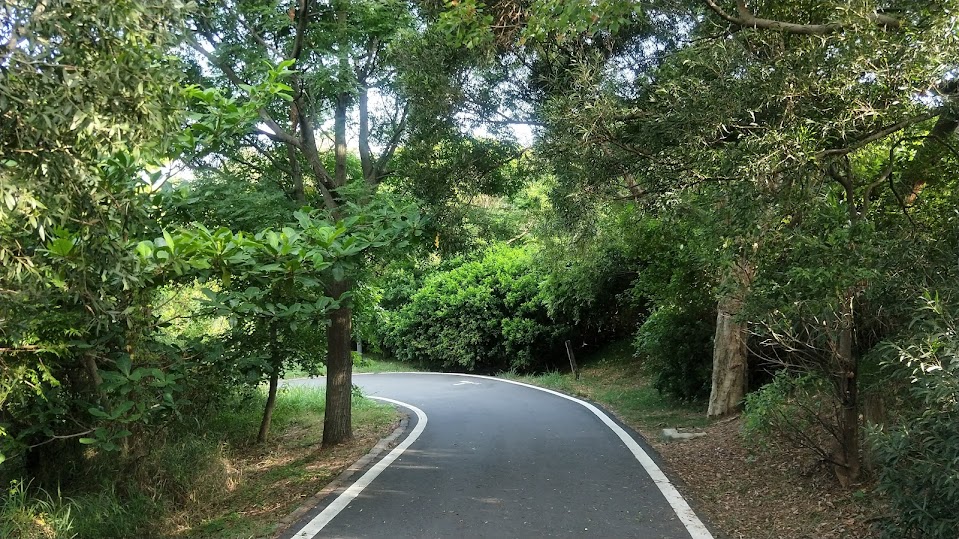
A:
(342, 480)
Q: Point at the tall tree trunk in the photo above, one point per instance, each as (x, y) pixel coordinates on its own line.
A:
(299, 194)
(847, 449)
(338, 424)
(338, 420)
(275, 361)
(339, 139)
(729, 346)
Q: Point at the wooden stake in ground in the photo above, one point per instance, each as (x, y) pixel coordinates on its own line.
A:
(572, 360)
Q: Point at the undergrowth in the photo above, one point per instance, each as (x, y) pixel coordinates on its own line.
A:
(193, 479)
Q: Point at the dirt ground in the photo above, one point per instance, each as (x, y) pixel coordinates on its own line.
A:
(748, 494)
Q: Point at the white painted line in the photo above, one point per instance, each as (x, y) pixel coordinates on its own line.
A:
(314, 526)
(695, 527)
(465, 383)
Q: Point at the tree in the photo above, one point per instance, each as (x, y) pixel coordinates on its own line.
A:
(340, 55)
(791, 99)
(87, 109)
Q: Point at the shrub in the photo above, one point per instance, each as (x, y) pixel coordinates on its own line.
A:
(482, 316)
(917, 457)
(675, 345)
(792, 411)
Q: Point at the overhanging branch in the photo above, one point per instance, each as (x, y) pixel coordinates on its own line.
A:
(747, 19)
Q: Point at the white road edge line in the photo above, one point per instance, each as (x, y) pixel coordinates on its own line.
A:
(314, 526)
(695, 527)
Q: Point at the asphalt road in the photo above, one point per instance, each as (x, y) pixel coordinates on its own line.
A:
(488, 458)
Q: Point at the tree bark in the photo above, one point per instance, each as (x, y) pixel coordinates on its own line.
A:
(275, 361)
(299, 194)
(337, 423)
(90, 364)
(270, 405)
(729, 381)
(847, 450)
(339, 139)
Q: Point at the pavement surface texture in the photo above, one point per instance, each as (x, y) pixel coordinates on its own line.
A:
(500, 460)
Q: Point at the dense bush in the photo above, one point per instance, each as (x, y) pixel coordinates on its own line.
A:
(917, 457)
(482, 316)
(588, 283)
(675, 344)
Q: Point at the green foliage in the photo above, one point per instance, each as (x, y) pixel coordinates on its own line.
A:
(675, 345)
(472, 188)
(90, 106)
(917, 456)
(789, 411)
(272, 284)
(224, 200)
(588, 284)
(482, 316)
(27, 513)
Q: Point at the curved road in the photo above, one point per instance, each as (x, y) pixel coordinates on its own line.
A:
(489, 458)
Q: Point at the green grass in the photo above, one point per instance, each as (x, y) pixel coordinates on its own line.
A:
(612, 377)
(206, 477)
(291, 464)
(371, 362)
(27, 513)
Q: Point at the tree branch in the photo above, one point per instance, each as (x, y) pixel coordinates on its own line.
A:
(882, 133)
(258, 38)
(366, 154)
(392, 144)
(302, 16)
(279, 134)
(748, 19)
(55, 437)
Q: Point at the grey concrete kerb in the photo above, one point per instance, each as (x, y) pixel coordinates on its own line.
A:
(342, 480)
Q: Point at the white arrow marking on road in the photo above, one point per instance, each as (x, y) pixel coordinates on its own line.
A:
(464, 382)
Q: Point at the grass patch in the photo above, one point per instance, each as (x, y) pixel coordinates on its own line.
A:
(268, 481)
(370, 362)
(612, 377)
(206, 477)
(27, 513)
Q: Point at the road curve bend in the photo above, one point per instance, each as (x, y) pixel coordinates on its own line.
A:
(492, 458)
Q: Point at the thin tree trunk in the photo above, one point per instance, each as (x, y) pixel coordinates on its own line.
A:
(729, 381)
(270, 405)
(366, 157)
(298, 192)
(275, 361)
(90, 363)
(847, 451)
(337, 423)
